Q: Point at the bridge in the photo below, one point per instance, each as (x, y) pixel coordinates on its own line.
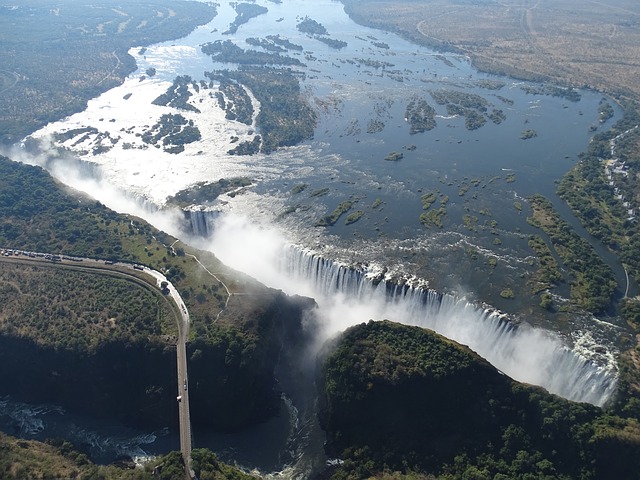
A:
(133, 272)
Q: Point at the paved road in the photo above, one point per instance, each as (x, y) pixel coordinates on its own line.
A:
(131, 271)
(183, 378)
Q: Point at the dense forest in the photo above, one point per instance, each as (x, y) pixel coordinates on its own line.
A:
(404, 399)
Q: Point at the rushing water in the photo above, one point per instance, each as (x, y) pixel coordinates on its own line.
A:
(361, 91)
(482, 178)
(524, 353)
(102, 440)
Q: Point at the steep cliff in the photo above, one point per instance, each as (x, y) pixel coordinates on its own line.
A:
(401, 398)
(103, 343)
(135, 381)
(232, 373)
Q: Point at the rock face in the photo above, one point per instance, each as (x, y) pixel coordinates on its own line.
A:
(403, 398)
(232, 376)
(133, 383)
(232, 380)
(61, 350)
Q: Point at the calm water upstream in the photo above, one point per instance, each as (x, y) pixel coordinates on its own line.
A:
(479, 177)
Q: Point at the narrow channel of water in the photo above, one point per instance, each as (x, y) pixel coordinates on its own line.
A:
(361, 92)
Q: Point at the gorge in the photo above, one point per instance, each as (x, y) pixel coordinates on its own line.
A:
(436, 238)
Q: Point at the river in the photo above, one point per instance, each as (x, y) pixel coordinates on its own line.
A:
(480, 177)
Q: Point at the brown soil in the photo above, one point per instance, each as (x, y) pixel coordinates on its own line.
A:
(593, 44)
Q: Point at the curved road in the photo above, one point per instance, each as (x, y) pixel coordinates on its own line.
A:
(183, 326)
(183, 378)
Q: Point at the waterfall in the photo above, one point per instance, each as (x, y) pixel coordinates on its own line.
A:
(525, 353)
(201, 221)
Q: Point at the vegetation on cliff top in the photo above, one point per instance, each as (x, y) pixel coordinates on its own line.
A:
(32, 460)
(80, 310)
(235, 340)
(40, 215)
(400, 398)
(592, 282)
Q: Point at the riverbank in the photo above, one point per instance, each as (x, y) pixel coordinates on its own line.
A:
(594, 46)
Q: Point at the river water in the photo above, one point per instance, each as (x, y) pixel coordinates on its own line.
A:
(361, 91)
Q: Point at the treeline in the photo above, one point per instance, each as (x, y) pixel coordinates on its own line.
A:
(403, 399)
(592, 282)
(285, 117)
(587, 191)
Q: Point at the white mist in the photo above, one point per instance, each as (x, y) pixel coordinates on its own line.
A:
(347, 297)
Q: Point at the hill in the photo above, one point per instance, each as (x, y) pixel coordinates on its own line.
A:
(405, 399)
